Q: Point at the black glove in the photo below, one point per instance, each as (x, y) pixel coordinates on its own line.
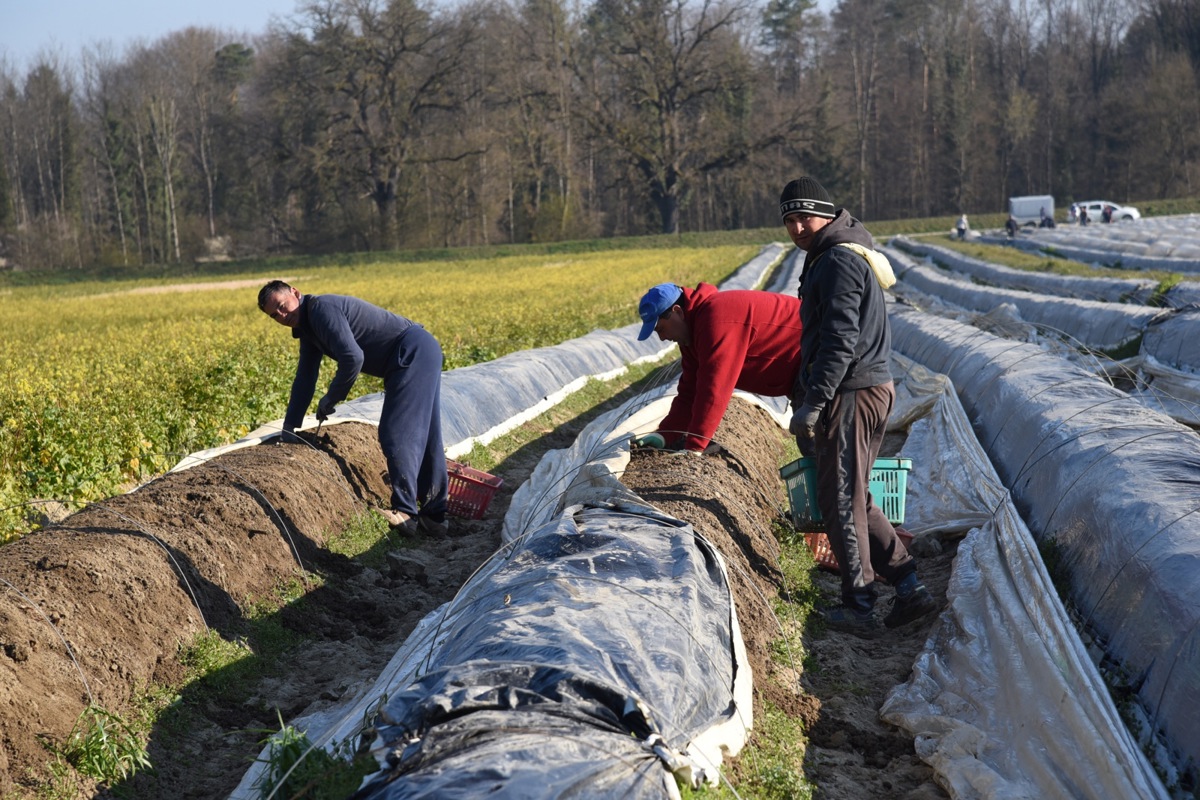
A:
(325, 407)
(804, 427)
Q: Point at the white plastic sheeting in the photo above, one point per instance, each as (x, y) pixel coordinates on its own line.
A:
(1112, 290)
(1094, 324)
(591, 658)
(1003, 701)
(1112, 483)
(1166, 372)
(1160, 243)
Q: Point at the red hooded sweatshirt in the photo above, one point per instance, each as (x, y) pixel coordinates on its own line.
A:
(741, 339)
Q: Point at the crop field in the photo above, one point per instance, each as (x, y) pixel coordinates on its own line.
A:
(110, 383)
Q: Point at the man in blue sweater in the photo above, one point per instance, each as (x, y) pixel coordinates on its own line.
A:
(364, 338)
(843, 397)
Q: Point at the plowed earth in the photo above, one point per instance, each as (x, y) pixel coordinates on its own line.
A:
(126, 582)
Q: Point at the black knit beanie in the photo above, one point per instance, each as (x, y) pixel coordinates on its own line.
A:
(805, 196)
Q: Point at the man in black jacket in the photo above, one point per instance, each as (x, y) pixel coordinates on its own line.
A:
(364, 338)
(844, 395)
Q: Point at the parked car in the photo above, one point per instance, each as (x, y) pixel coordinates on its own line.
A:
(1095, 211)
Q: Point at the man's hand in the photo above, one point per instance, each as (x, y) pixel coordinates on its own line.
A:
(654, 441)
(325, 407)
(804, 426)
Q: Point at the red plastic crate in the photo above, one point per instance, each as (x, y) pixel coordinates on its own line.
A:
(470, 490)
(822, 552)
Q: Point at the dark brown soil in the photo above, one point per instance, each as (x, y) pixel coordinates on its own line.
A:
(125, 582)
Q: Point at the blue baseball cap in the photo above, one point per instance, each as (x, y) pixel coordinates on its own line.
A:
(654, 304)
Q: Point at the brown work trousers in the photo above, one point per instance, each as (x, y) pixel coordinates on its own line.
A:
(848, 438)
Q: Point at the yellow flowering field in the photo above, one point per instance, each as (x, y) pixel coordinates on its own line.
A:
(109, 383)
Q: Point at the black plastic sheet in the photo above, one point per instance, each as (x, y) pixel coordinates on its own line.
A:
(598, 648)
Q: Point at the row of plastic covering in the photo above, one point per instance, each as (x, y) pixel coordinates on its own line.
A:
(1165, 373)
(1090, 322)
(1162, 243)
(588, 659)
(1107, 289)
(484, 401)
(1111, 485)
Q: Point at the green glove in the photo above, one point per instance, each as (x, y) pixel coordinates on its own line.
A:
(652, 440)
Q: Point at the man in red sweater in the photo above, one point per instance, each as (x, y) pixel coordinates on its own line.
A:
(739, 339)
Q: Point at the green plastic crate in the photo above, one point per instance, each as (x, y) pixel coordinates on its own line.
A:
(888, 486)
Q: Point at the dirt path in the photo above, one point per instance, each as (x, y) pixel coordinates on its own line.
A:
(126, 581)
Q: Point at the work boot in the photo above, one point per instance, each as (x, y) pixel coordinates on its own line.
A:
(398, 520)
(431, 526)
(915, 605)
(851, 620)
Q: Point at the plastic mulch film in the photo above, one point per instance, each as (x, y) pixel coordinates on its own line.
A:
(1170, 243)
(585, 664)
(1112, 290)
(1172, 341)
(1093, 324)
(1110, 486)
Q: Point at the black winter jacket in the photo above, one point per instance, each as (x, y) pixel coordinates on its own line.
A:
(846, 341)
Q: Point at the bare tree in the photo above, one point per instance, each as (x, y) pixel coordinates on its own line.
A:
(382, 69)
(664, 84)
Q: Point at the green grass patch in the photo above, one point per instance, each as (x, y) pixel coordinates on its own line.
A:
(105, 747)
(770, 767)
(360, 540)
(295, 767)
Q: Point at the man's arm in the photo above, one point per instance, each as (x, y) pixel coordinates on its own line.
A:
(333, 329)
(679, 417)
(717, 355)
(308, 369)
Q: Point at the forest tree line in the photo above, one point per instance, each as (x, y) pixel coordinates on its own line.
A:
(383, 124)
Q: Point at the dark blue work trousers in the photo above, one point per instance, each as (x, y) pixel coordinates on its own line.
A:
(410, 426)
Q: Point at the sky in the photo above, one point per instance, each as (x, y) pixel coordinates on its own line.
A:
(29, 27)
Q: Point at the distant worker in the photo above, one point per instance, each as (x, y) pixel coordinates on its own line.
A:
(962, 227)
(1106, 214)
(845, 395)
(1083, 216)
(1073, 213)
(1047, 220)
(738, 339)
(364, 338)
(1011, 226)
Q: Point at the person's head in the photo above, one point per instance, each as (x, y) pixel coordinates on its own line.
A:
(806, 209)
(661, 310)
(280, 302)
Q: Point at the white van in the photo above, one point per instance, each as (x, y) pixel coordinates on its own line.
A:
(1030, 210)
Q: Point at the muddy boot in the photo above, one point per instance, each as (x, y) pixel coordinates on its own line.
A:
(910, 605)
